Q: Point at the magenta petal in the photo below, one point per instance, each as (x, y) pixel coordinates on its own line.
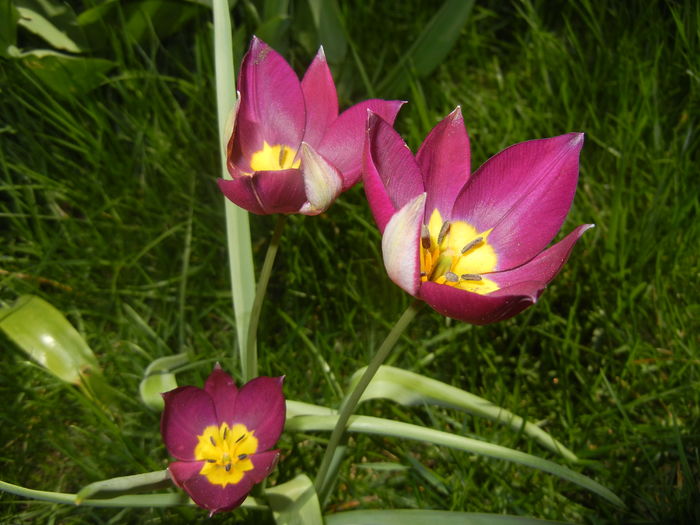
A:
(471, 307)
(181, 471)
(392, 177)
(217, 498)
(321, 99)
(271, 105)
(280, 191)
(240, 191)
(543, 268)
(264, 464)
(260, 407)
(188, 411)
(222, 389)
(342, 143)
(444, 161)
(524, 194)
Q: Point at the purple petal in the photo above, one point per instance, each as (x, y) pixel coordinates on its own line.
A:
(264, 464)
(321, 99)
(181, 471)
(342, 143)
(271, 104)
(280, 191)
(322, 182)
(543, 268)
(471, 307)
(217, 498)
(188, 411)
(401, 245)
(524, 194)
(260, 407)
(392, 177)
(444, 161)
(222, 389)
(239, 190)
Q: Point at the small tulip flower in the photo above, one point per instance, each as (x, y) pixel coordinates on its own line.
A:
(290, 151)
(471, 246)
(220, 436)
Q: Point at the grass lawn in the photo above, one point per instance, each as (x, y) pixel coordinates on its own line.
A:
(110, 211)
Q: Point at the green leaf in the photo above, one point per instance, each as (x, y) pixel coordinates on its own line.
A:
(159, 378)
(65, 74)
(409, 388)
(329, 28)
(431, 46)
(45, 334)
(42, 27)
(295, 502)
(8, 26)
(385, 427)
(420, 517)
(125, 485)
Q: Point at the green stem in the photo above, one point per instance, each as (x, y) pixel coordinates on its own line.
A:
(350, 403)
(251, 360)
(237, 227)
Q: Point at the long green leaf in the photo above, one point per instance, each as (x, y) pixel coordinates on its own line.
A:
(325, 14)
(295, 502)
(42, 27)
(409, 388)
(385, 427)
(421, 517)
(431, 46)
(237, 227)
(125, 485)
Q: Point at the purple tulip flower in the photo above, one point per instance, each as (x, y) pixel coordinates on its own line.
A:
(220, 436)
(471, 246)
(290, 151)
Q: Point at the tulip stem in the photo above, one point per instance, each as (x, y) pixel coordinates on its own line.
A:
(250, 370)
(349, 404)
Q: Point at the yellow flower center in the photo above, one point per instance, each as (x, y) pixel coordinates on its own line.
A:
(456, 254)
(226, 453)
(274, 158)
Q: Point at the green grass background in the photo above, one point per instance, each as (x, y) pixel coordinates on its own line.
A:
(109, 210)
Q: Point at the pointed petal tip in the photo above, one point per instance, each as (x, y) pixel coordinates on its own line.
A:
(321, 54)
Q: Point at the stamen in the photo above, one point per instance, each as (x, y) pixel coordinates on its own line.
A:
(471, 244)
(211, 461)
(424, 237)
(211, 438)
(471, 277)
(443, 231)
(242, 456)
(423, 274)
(225, 431)
(451, 277)
(228, 467)
(282, 155)
(240, 438)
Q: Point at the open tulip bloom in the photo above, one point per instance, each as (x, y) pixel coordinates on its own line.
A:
(471, 246)
(220, 436)
(290, 151)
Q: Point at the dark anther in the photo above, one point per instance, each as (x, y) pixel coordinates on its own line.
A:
(443, 231)
(211, 461)
(471, 244)
(225, 431)
(471, 277)
(228, 467)
(424, 237)
(451, 277)
(242, 456)
(240, 438)
(211, 438)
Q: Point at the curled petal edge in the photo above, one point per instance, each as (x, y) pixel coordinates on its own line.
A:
(400, 245)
